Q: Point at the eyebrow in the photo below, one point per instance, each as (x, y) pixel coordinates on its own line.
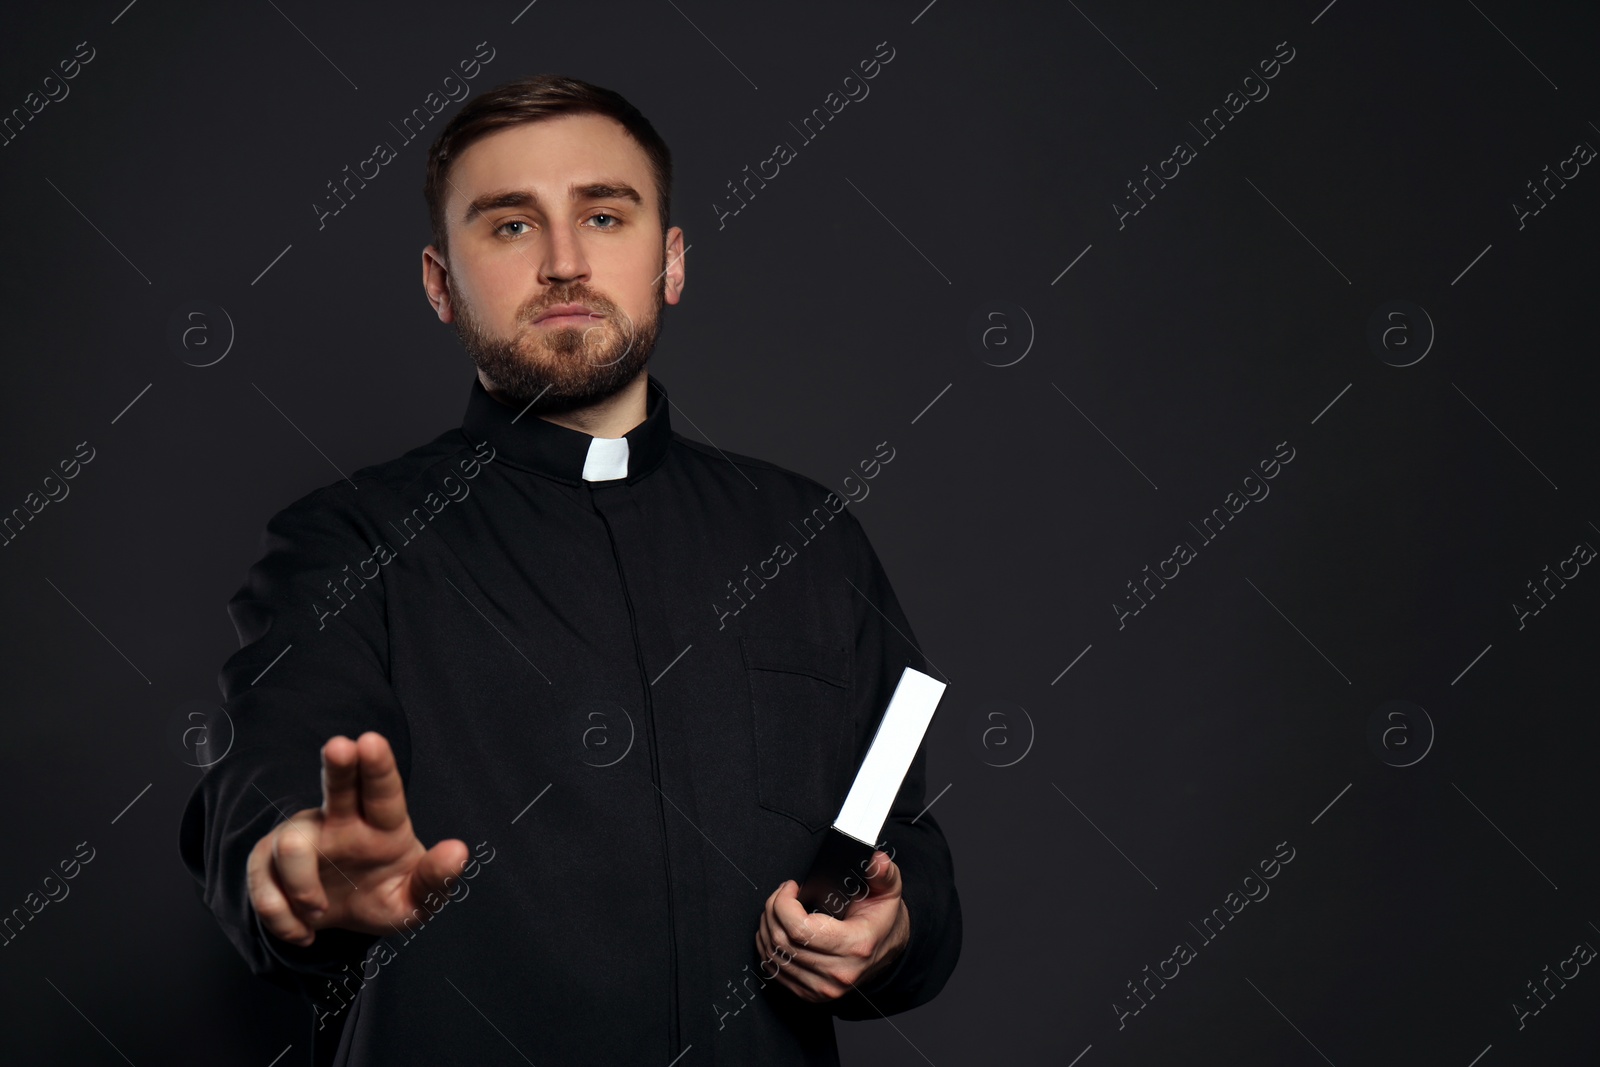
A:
(598, 190)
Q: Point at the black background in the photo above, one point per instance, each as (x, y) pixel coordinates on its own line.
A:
(1231, 314)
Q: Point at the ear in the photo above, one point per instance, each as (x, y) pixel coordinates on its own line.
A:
(436, 284)
(675, 270)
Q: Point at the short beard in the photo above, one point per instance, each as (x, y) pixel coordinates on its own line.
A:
(566, 368)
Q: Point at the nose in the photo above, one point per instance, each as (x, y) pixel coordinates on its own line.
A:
(563, 260)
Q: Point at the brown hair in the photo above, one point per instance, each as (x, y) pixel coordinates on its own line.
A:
(540, 96)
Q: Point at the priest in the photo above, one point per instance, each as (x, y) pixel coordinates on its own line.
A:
(498, 646)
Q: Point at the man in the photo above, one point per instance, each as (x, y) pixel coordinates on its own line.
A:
(524, 635)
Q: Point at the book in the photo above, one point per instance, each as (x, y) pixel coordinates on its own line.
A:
(838, 873)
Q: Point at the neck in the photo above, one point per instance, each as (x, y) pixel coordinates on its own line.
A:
(612, 417)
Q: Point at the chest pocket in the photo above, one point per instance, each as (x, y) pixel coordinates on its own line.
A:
(800, 717)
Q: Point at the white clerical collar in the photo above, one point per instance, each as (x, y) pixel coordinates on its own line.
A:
(607, 459)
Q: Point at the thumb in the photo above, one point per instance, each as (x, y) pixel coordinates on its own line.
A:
(882, 875)
(441, 864)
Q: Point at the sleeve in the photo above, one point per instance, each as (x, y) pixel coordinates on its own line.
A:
(885, 646)
(312, 664)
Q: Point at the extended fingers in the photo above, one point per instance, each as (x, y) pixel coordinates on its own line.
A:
(383, 792)
(294, 863)
(268, 899)
(341, 794)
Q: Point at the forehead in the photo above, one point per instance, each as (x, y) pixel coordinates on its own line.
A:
(547, 157)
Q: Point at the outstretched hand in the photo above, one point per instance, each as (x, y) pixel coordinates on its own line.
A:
(354, 863)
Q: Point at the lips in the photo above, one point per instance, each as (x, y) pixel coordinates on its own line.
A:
(566, 312)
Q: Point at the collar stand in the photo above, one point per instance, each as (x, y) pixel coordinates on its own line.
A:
(569, 455)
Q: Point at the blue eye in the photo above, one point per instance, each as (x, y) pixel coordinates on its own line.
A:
(602, 215)
(513, 222)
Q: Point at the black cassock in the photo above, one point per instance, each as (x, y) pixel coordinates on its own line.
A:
(636, 680)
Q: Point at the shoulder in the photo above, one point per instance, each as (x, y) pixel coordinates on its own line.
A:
(451, 454)
(787, 488)
(356, 506)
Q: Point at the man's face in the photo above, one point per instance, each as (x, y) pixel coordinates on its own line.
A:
(540, 216)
